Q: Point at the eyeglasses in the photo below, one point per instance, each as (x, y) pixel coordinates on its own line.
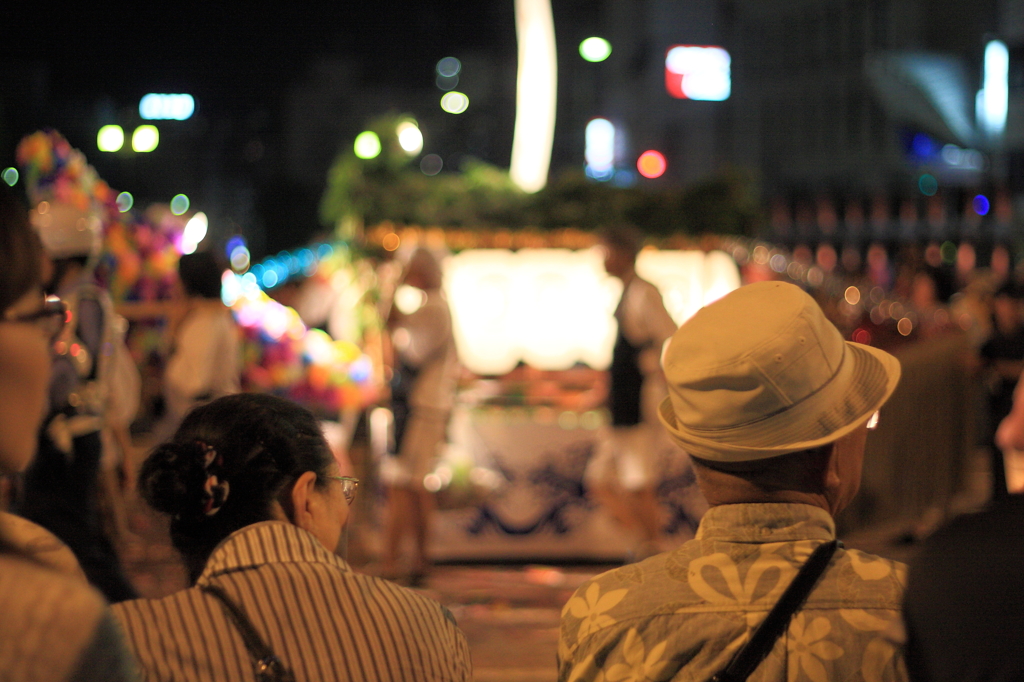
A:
(349, 486)
(51, 317)
(873, 421)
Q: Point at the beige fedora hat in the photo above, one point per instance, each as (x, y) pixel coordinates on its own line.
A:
(762, 372)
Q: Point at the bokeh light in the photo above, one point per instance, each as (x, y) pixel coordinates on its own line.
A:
(454, 102)
(981, 204)
(431, 164)
(905, 326)
(194, 232)
(11, 176)
(145, 138)
(446, 82)
(948, 251)
(391, 241)
(928, 185)
(177, 107)
(410, 139)
(651, 164)
(179, 204)
(852, 295)
(595, 49)
(448, 67)
(110, 138)
(367, 145)
(125, 201)
(240, 258)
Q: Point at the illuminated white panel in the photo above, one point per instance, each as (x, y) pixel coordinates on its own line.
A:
(536, 85)
(993, 99)
(156, 107)
(600, 149)
(688, 280)
(698, 72)
(552, 308)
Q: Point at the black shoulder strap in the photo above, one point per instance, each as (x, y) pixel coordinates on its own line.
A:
(268, 667)
(777, 621)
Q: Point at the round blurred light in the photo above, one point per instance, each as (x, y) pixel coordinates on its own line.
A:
(145, 138)
(905, 326)
(651, 164)
(928, 185)
(240, 259)
(852, 295)
(367, 145)
(125, 201)
(410, 139)
(110, 138)
(194, 232)
(11, 176)
(446, 82)
(981, 204)
(595, 49)
(179, 204)
(948, 252)
(431, 164)
(269, 279)
(448, 67)
(391, 241)
(454, 102)
(862, 336)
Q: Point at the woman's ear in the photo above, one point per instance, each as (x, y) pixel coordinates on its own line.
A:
(303, 500)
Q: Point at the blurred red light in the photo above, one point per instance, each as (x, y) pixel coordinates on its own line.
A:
(651, 164)
(862, 336)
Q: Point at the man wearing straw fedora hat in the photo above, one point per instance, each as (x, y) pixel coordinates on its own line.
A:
(774, 407)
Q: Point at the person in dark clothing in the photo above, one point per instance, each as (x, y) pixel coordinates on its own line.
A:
(1003, 355)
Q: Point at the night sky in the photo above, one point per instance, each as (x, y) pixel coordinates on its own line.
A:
(73, 69)
(237, 54)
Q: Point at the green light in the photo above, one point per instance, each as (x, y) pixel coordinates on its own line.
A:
(948, 252)
(145, 138)
(454, 102)
(595, 49)
(125, 201)
(928, 185)
(367, 145)
(110, 138)
(11, 176)
(179, 204)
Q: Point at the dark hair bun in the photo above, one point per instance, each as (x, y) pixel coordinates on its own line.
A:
(172, 478)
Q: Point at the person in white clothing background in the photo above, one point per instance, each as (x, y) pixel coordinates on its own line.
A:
(204, 362)
(425, 370)
(622, 474)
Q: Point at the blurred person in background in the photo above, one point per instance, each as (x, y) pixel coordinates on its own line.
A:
(1003, 358)
(622, 474)
(53, 626)
(258, 508)
(964, 607)
(203, 361)
(425, 371)
(61, 490)
(774, 408)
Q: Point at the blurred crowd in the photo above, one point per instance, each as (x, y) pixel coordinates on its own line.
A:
(761, 389)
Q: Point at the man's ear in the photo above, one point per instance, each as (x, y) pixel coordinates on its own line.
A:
(830, 476)
(303, 501)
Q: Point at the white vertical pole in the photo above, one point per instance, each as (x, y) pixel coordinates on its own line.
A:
(536, 85)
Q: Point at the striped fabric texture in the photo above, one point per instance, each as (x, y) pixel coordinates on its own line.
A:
(322, 619)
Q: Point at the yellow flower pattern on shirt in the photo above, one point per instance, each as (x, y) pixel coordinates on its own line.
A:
(696, 606)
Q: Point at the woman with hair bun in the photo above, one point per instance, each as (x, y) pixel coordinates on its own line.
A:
(257, 507)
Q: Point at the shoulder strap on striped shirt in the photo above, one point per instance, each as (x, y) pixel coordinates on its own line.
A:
(265, 663)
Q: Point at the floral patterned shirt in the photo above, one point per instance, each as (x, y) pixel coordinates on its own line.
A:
(683, 615)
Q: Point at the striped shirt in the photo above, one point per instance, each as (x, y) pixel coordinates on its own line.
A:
(322, 619)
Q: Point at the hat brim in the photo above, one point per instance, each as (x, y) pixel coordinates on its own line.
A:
(865, 380)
